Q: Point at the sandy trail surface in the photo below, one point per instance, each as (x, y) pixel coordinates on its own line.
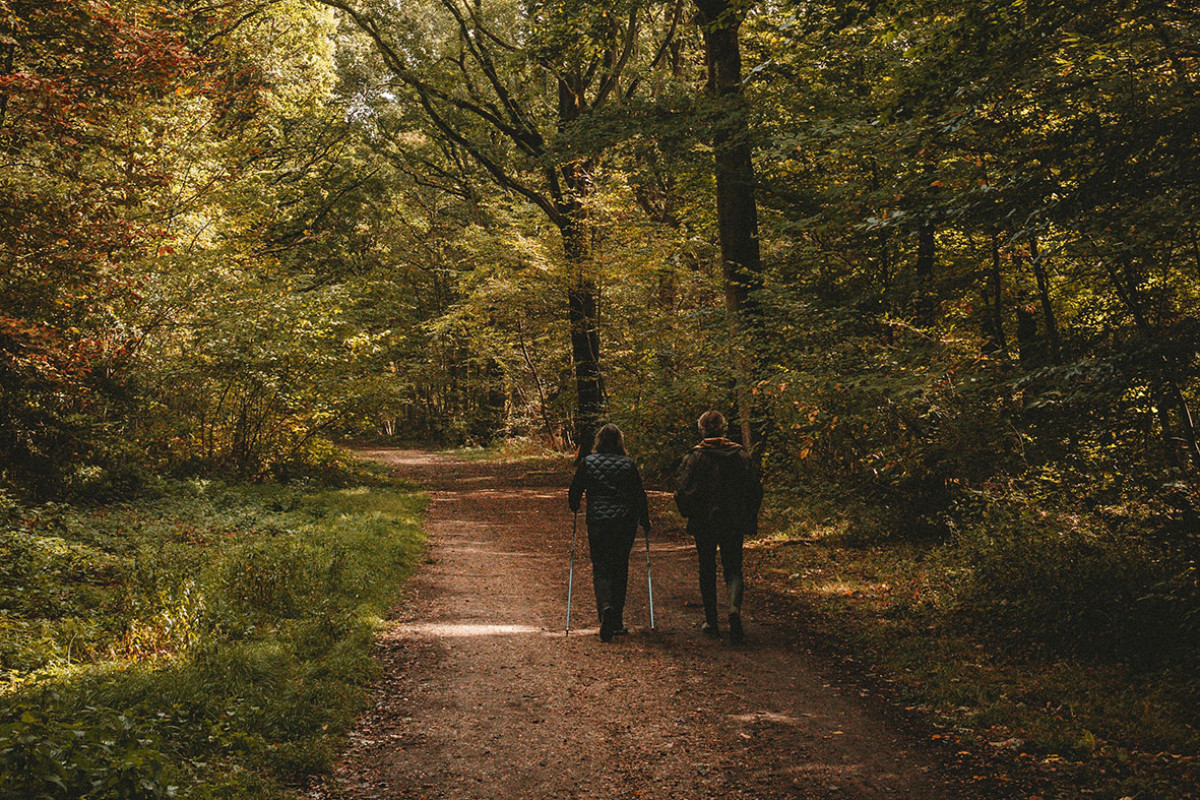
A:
(483, 696)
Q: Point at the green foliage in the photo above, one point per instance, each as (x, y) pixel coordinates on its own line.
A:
(884, 414)
(977, 328)
(104, 755)
(1073, 584)
(211, 641)
(901, 611)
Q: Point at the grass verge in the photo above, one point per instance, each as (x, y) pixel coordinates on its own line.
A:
(210, 642)
(1022, 719)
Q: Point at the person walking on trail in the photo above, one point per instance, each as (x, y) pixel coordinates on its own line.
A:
(616, 503)
(720, 494)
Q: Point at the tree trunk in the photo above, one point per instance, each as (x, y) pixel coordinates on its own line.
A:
(737, 209)
(583, 295)
(1043, 284)
(996, 300)
(1163, 384)
(6, 67)
(582, 314)
(926, 260)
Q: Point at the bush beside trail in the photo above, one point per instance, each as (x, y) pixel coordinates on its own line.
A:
(210, 641)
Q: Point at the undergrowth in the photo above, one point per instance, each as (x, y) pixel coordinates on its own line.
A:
(210, 641)
(1039, 642)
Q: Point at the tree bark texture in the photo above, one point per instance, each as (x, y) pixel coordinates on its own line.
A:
(737, 209)
(582, 313)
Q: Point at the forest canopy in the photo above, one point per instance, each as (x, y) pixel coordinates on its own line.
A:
(941, 261)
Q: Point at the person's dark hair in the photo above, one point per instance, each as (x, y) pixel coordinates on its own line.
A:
(609, 439)
(711, 424)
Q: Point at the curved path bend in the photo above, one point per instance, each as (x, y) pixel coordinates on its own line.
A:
(483, 697)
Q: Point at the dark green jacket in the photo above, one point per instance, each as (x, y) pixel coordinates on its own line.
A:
(719, 487)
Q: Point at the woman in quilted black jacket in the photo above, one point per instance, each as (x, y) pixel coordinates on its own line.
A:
(616, 503)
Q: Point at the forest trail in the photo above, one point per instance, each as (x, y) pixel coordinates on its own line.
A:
(483, 696)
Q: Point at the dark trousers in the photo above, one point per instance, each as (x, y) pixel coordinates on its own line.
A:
(609, 544)
(727, 539)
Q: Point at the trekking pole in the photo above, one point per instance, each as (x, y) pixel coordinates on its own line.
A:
(571, 573)
(649, 581)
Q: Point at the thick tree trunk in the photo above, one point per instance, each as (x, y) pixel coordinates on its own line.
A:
(737, 208)
(582, 294)
(582, 314)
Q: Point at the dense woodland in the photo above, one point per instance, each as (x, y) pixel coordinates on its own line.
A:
(940, 261)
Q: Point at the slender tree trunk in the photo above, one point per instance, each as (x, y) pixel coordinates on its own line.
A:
(1195, 249)
(926, 260)
(1163, 384)
(884, 276)
(996, 304)
(1043, 284)
(543, 407)
(1028, 347)
(737, 208)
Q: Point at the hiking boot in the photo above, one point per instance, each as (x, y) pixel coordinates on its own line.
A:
(710, 629)
(736, 634)
(608, 624)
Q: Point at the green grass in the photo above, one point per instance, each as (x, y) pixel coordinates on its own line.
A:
(520, 449)
(908, 614)
(211, 642)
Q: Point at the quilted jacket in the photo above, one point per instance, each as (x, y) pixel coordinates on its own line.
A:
(613, 488)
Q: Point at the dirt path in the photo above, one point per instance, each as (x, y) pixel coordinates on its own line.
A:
(484, 697)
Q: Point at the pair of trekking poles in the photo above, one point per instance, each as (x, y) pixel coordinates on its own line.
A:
(571, 575)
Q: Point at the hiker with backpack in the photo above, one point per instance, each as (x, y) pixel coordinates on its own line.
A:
(720, 494)
(616, 503)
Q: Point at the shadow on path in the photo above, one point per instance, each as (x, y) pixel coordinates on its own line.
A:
(484, 697)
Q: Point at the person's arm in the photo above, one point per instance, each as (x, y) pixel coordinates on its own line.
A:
(756, 487)
(683, 494)
(578, 483)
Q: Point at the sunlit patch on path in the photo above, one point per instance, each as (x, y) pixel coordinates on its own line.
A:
(484, 697)
(442, 630)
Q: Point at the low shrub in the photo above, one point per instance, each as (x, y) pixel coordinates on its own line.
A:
(1070, 582)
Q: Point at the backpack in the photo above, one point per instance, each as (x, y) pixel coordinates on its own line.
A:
(719, 489)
